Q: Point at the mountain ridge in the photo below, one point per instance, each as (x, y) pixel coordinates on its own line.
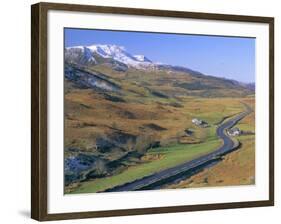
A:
(120, 59)
(106, 51)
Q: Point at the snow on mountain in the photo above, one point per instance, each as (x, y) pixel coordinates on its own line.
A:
(141, 58)
(79, 54)
(118, 53)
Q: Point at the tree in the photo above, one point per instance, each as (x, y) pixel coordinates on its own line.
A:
(100, 167)
(130, 145)
(179, 136)
(143, 143)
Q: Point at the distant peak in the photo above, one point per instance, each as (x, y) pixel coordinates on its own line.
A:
(116, 52)
(111, 47)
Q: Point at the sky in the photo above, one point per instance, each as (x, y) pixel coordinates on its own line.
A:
(228, 57)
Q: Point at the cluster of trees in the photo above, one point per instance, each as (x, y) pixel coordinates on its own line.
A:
(141, 144)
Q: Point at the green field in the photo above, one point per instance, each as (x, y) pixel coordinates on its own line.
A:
(236, 168)
(172, 156)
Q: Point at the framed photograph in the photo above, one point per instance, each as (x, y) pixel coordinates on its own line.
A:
(139, 111)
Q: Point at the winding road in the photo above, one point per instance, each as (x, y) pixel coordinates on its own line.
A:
(228, 146)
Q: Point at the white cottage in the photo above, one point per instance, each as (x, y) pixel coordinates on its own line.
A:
(234, 132)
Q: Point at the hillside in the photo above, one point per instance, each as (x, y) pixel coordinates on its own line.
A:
(118, 107)
(116, 64)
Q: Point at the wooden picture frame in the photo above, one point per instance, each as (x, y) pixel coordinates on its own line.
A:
(39, 108)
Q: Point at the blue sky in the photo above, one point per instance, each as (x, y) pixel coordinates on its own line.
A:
(229, 57)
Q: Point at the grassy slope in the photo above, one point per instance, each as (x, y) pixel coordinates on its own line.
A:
(211, 109)
(171, 156)
(89, 114)
(237, 168)
(166, 157)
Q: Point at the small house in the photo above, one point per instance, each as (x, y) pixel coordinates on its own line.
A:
(196, 121)
(234, 131)
(200, 123)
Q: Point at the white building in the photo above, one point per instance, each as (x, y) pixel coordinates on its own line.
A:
(234, 132)
(199, 122)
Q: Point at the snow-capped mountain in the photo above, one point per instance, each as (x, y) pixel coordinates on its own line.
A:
(119, 59)
(79, 55)
(90, 54)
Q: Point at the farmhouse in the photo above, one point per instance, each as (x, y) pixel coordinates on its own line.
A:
(234, 132)
(199, 122)
(196, 121)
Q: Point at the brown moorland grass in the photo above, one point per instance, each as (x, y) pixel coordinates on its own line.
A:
(139, 109)
(89, 114)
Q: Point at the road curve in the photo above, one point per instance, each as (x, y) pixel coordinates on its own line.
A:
(228, 146)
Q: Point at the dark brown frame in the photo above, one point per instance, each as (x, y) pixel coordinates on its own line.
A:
(39, 110)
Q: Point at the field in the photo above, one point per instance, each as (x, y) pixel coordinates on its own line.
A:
(237, 168)
(154, 161)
